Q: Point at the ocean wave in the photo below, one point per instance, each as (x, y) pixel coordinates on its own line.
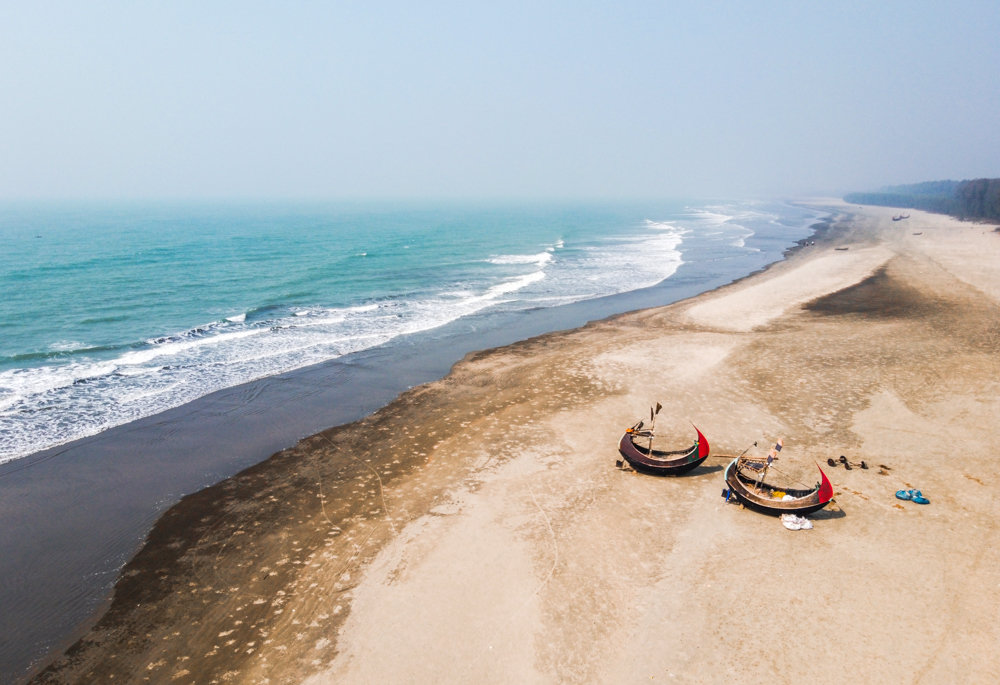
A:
(711, 218)
(164, 372)
(661, 225)
(540, 258)
(515, 284)
(70, 393)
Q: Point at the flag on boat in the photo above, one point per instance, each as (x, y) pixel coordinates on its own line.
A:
(773, 454)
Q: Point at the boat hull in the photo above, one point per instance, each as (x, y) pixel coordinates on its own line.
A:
(663, 463)
(805, 502)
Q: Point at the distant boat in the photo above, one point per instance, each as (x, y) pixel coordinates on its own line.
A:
(841, 248)
(901, 217)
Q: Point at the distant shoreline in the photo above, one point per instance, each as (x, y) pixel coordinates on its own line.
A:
(975, 200)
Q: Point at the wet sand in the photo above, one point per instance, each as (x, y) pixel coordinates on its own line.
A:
(477, 530)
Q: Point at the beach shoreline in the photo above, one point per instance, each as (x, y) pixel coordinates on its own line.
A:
(95, 500)
(477, 513)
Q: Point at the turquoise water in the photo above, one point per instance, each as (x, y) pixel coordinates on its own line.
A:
(109, 313)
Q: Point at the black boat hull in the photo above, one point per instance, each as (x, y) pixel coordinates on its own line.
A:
(660, 463)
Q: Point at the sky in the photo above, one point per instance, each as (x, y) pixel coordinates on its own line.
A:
(594, 100)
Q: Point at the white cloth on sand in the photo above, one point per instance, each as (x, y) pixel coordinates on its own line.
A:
(793, 522)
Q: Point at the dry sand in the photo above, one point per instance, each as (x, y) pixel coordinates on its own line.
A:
(477, 531)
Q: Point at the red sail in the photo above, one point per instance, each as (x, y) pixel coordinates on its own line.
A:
(825, 489)
(703, 447)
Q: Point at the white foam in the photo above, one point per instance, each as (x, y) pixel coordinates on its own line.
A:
(174, 348)
(516, 284)
(712, 218)
(540, 258)
(239, 318)
(661, 225)
(66, 346)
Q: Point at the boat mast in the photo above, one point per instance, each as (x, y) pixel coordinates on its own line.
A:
(652, 425)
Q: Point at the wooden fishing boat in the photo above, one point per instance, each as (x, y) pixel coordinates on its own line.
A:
(660, 462)
(743, 476)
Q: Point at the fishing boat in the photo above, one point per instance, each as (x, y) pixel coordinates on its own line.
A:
(901, 217)
(642, 457)
(745, 478)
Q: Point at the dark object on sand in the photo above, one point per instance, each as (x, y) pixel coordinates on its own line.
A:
(658, 462)
(745, 478)
(901, 217)
(841, 248)
(848, 464)
(920, 233)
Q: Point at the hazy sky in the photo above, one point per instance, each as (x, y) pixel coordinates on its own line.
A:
(517, 99)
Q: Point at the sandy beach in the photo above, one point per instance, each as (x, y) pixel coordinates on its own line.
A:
(476, 530)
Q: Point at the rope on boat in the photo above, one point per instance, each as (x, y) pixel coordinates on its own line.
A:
(731, 456)
(792, 479)
(801, 483)
(771, 467)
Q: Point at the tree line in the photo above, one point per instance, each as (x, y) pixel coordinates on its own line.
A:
(975, 199)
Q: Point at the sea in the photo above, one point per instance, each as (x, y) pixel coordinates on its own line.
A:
(115, 312)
